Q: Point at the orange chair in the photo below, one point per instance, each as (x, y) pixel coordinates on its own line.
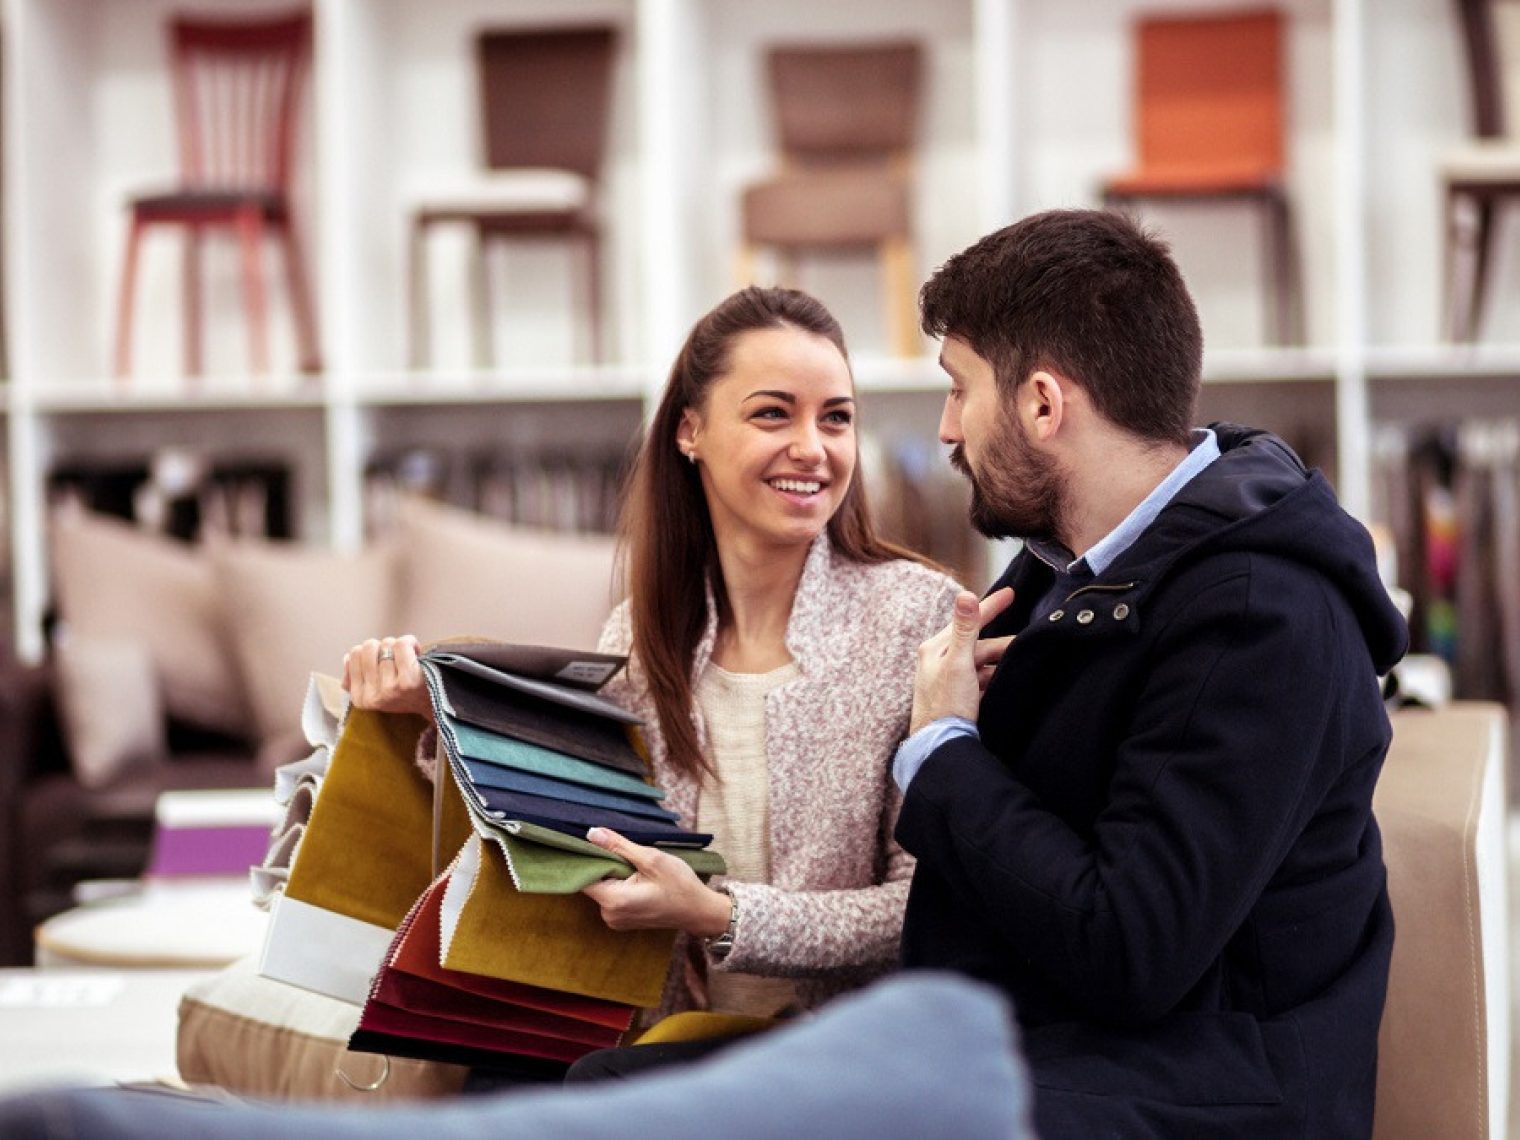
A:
(1209, 128)
(846, 118)
(235, 89)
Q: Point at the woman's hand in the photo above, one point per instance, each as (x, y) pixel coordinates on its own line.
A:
(663, 893)
(382, 674)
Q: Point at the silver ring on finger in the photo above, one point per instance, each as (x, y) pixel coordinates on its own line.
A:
(387, 654)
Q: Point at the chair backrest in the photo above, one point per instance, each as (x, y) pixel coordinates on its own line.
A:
(1210, 90)
(1491, 45)
(546, 97)
(846, 102)
(236, 83)
(1444, 1043)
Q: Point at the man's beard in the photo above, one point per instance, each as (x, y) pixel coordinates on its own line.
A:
(1018, 493)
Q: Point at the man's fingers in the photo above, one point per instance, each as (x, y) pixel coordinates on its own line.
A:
(994, 604)
(990, 650)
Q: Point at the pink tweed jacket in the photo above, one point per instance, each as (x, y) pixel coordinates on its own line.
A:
(832, 913)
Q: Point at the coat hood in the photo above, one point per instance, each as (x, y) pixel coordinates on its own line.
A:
(1258, 497)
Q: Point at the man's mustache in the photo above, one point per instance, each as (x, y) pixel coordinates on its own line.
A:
(958, 460)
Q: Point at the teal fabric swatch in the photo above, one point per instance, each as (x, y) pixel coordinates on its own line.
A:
(479, 744)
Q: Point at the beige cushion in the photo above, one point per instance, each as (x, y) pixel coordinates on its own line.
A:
(462, 573)
(258, 1037)
(1443, 1047)
(116, 581)
(294, 609)
(112, 717)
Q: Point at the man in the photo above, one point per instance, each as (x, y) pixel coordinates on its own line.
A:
(1142, 803)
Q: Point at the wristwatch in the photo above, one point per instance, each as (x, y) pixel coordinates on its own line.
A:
(719, 946)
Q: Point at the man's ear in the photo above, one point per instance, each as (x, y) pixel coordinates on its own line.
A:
(1044, 404)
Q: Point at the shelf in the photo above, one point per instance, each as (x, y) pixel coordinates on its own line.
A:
(502, 386)
(213, 394)
(1445, 362)
(1267, 365)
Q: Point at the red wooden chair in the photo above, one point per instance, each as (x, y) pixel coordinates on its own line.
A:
(1209, 128)
(236, 84)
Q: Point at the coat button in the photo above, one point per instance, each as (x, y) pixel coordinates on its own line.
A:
(1056, 615)
(1121, 611)
(1085, 617)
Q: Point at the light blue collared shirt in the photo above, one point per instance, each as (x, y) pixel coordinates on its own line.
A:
(912, 752)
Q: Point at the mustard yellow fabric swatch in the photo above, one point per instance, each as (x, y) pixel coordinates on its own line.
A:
(367, 848)
(558, 942)
(699, 1024)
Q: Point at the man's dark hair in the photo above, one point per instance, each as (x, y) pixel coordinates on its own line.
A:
(1085, 293)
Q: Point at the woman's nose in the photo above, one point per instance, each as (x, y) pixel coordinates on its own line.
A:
(806, 446)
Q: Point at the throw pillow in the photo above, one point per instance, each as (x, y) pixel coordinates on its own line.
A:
(466, 574)
(294, 609)
(116, 581)
(111, 714)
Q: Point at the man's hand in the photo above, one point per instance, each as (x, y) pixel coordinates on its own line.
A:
(663, 893)
(953, 665)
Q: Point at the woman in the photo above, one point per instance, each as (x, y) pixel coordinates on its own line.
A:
(771, 639)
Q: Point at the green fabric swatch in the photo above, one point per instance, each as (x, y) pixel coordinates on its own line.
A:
(548, 862)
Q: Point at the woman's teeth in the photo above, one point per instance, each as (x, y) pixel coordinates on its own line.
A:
(797, 486)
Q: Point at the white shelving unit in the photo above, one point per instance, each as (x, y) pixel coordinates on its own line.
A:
(1026, 108)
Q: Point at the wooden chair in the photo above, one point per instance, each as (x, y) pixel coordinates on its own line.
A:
(1480, 177)
(546, 97)
(1209, 128)
(236, 87)
(846, 118)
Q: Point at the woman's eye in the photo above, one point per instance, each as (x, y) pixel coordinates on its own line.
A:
(772, 413)
(840, 419)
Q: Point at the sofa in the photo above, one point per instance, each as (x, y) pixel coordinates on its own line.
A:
(177, 665)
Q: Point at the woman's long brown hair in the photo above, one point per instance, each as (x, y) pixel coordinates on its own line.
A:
(666, 541)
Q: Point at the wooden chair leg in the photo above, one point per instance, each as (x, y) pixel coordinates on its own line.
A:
(124, 300)
(902, 308)
(480, 274)
(195, 364)
(1454, 260)
(420, 352)
(744, 266)
(594, 296)
(1279, 286)
(1483, 254)
(250, 227)
(309, 356)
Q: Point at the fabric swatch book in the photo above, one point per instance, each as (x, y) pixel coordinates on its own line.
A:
(503, 960)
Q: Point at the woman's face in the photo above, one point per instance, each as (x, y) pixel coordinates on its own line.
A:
(775, 440)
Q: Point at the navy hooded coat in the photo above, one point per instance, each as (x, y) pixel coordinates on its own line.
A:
(1162, 847)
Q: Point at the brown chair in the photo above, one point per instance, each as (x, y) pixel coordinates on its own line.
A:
(546, 98)
(236, 88)
(1482, 176)
(1209, 128)
(1444, 1043)
(846, 119)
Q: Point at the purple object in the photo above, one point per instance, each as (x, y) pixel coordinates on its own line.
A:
(208, 850)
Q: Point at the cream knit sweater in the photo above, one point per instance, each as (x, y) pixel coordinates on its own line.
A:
(830, 914)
